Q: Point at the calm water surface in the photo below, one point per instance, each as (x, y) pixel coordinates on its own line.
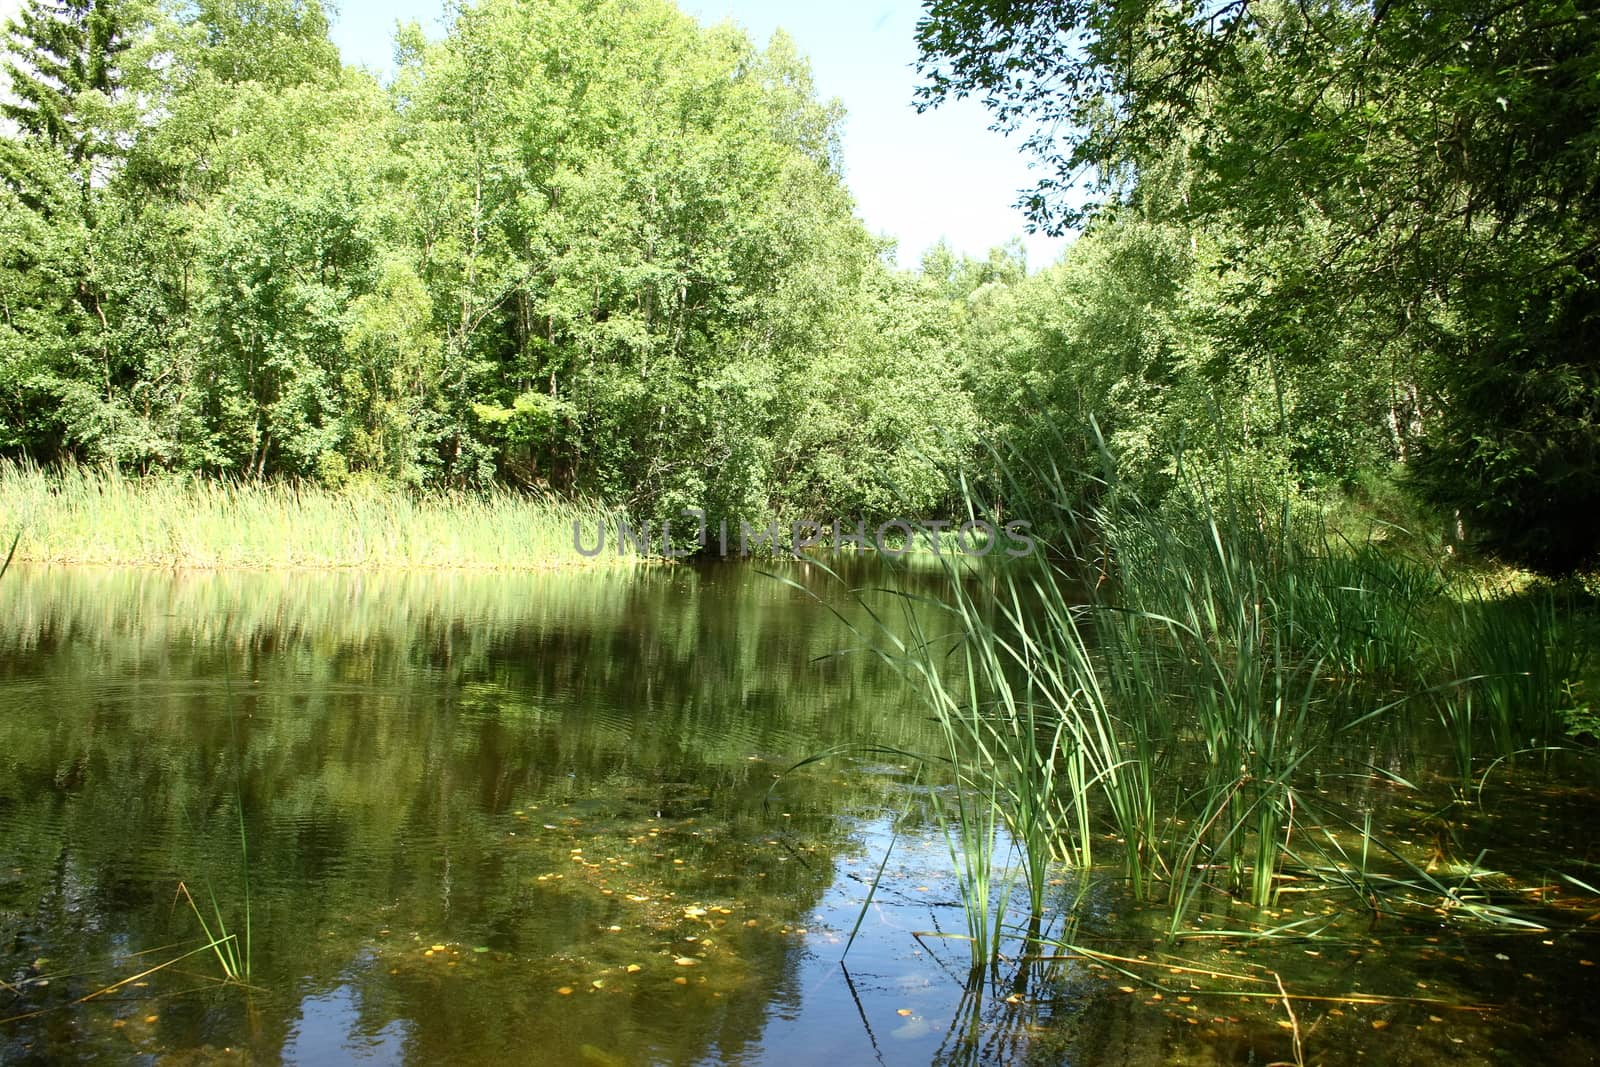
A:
(540, 818)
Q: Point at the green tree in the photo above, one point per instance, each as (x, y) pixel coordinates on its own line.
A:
(65, 377)
(634, 234)
(60, 52)
(1412, 180)
(880, 423)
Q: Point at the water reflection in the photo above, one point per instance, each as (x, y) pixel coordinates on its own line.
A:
(493, 818)
(332, 1028)
(485, 790)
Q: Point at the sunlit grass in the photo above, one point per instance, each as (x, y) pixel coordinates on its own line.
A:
(98, 516)
(1175, 678)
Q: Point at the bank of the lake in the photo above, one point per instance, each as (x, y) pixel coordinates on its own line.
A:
(89, 515)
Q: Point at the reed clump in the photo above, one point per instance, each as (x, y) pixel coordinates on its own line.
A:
(1177, 680)
(96, 515)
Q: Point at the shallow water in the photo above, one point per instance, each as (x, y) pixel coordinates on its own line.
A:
(542, 818)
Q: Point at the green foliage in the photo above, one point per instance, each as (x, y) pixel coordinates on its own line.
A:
(1517, 449)
(63, 52)
(1100, 338)
(878, 424)
(586, 246)
(1400, 197)
(1172, 684)
(1524, 655)
(594, 248)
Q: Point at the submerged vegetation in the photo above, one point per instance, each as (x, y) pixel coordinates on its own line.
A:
(462, 793)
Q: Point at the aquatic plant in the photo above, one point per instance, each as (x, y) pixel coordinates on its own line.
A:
(1168, 678)
(1527, 655)
(232, 954)
(80, 514)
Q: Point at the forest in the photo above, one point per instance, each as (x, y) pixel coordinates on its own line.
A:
(1280, 750)
(594, 249)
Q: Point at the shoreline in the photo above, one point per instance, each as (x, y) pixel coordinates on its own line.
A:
(82, 516)
(147, 564)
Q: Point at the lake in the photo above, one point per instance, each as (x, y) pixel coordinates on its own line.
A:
(488, 818)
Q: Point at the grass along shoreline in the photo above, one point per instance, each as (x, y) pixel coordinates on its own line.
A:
(1227, 703)
(94, 516)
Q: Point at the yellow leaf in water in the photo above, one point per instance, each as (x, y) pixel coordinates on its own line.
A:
(686, 961)
(1126, 988)
(634, 968)
(694, 912)
(565, 991)
(903, 1011)
(599, 983)
(680, 980)
(1379, 1024)
(440, 948)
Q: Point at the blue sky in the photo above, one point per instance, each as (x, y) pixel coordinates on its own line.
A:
(918, 178)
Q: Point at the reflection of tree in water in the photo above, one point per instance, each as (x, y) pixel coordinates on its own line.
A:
(418, 759)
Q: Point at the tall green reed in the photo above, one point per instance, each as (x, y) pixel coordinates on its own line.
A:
(1527, 654)
(1174, 676)
(80, 514)
(1237, 677)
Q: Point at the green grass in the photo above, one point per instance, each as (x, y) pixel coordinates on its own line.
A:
(1176, 679)
(97, 516)
(1528, 654)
